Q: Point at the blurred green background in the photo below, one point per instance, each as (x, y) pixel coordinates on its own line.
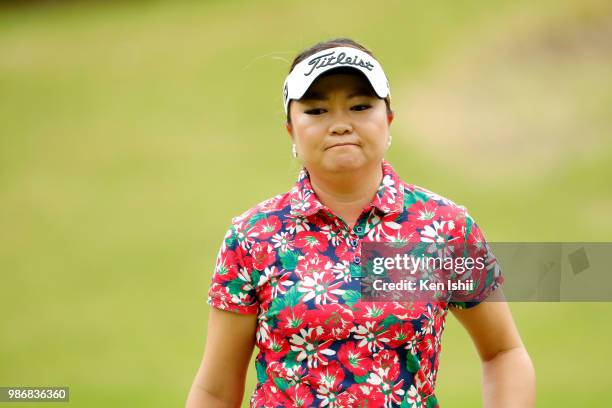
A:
(131, 132)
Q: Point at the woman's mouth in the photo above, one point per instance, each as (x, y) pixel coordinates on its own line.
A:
(341, 145)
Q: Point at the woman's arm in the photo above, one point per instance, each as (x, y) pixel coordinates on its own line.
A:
(508, 375)
(219, 382)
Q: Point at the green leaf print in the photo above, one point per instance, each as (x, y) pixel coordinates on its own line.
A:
(235, 286)
(420, 250)
(468, 230)
(351, 297)
(361, 379)
(407, 404)
(389, 321)
(291, 359)
(256, 218)
(412, 363)
(414, 196)
(281, 383)
(255, 276)
(262, 376)
(432, 402)
(232, 238)
(289, 260)
(276, 306)
(293, 297)
(273, 322)
(355, 271)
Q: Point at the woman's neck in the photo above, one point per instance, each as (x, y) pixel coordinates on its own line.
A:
(346, 194)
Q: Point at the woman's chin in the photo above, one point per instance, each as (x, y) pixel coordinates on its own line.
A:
(345, 161)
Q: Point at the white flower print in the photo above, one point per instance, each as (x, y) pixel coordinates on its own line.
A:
(342, 270)
(282, 241)
(310, 347)
(371, 335)
(414, 398)
(297, 224)
(322, 287)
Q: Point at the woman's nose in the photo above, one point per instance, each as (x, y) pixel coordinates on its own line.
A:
(340, 129)
(341, 125)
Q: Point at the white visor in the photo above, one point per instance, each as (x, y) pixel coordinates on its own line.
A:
(303, 74)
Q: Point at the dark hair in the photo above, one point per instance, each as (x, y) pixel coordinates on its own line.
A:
(336, 42)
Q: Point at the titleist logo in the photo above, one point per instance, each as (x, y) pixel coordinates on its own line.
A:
(330, 59)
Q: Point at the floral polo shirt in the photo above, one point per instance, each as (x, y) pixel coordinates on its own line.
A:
(296, 265)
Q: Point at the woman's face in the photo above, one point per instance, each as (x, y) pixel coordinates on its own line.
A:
(339, 125)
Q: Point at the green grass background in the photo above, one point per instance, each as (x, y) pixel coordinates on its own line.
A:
(131, 132)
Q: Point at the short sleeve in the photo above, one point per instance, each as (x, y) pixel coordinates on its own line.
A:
(484, 273)
(232, 287)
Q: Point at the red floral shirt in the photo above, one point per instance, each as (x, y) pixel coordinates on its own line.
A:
(296, 265)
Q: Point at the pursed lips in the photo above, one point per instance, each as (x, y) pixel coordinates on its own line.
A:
(342, 144)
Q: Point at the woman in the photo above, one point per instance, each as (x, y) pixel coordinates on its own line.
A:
(288, 275)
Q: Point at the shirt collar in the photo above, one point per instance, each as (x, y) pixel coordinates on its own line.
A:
(389, 197)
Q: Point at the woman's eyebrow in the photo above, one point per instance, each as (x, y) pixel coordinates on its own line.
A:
(317, 96)
(314, 96)
(361, 92)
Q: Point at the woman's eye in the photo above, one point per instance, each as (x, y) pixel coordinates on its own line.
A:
(315, 111)
(320, 111)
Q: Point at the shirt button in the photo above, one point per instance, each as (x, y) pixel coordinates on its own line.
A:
(357, 260)
(354, 242)
(359, 229)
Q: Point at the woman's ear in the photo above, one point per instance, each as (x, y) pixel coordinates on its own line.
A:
(289, 129)
(390, 117)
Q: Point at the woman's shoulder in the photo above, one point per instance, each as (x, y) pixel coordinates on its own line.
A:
(271, 205)
(414, 194)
